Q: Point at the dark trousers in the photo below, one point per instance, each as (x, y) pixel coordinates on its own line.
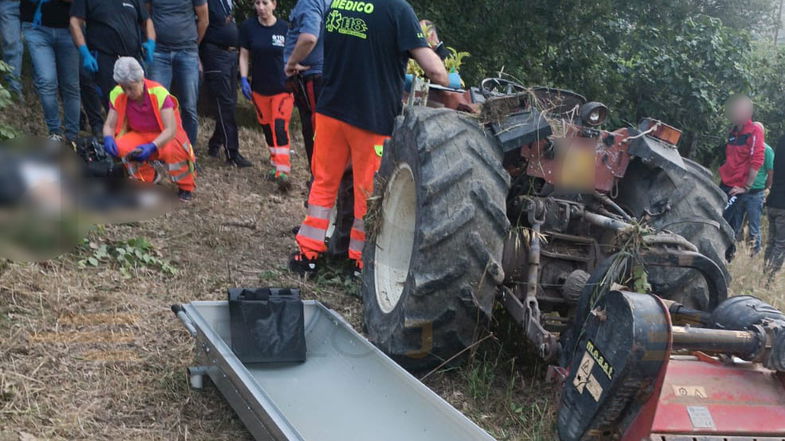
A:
(775, 242)
(91, 103)
(306, 90)
(220, 79)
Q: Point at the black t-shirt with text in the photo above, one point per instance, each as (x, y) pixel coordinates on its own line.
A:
(265, 45)
(222, 30)
(113, 27)
(54, 14)
(366, 48)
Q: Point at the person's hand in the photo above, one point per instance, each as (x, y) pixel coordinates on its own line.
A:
(110, 146)
(735, 191)
(142, 152)
(149, 50)
(88, 60)
(766, 193)
(292, 69)
(246, 88)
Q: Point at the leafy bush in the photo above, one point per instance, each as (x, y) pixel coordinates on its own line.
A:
(126, 255)
(6, 131)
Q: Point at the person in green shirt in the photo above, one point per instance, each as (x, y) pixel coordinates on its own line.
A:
(751, 203)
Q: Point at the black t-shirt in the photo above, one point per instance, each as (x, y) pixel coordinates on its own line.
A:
(113, 27)
(222, 30)
(54, 14)
(265, 44)
(366, 47)
(777, 196)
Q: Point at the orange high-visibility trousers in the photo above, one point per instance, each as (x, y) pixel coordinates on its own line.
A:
(179, 162)
(335, 144)
(274, 113)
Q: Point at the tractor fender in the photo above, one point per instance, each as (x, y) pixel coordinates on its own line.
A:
(654, 152)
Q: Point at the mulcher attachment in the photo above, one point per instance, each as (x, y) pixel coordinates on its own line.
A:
(635, 376)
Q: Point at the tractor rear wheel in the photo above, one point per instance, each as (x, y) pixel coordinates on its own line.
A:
(436, 228)
(689, 204)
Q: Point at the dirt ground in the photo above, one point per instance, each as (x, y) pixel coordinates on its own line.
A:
(94, 353)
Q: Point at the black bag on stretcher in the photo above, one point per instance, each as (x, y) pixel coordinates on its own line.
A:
(267, 325)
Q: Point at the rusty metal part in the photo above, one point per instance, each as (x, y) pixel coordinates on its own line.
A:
(546, 343)
(747, 345)
(526, 311)
(605, 153)
(607, 222)
(609, 202)
(661, 131)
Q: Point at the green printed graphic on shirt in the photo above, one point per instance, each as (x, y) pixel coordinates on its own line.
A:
(337, 22)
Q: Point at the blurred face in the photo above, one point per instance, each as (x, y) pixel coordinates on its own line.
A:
(265, 8)
(133, 90)
(740, 110)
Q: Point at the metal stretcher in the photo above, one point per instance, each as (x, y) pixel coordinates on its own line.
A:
(346, 390)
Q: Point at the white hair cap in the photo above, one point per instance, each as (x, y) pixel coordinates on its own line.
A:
(127, 70)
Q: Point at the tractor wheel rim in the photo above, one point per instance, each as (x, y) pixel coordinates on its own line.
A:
(395, 241)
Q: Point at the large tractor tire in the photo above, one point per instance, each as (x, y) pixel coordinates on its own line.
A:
(689, 204)
(436, 229)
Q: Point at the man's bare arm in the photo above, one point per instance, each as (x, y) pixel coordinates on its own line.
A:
(304, 46)
(203, 20)
(75, 24)
(149, 29)
(431, 64)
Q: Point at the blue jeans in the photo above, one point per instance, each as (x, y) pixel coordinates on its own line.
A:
(182, 68)
(55, 69)
(11, 42)
(751, 206)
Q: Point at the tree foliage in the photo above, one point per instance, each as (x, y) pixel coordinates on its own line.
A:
(674, 60)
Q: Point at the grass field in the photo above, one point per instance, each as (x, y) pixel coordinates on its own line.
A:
(93, 352)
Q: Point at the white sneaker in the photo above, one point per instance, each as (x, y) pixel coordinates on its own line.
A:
(56, 138)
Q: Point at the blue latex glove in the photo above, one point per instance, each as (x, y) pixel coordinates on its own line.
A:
(149, 50)
(142, 152)
(110, 146)
(38, 15)
(246, 87)
(88, 60)
(408, 79)
(455, 80)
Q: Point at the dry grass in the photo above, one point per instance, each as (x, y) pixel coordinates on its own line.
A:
(88, 354)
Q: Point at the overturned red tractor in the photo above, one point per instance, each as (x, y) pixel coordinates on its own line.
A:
(530, 203)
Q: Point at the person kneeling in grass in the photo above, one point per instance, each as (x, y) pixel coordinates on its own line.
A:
(143, 125)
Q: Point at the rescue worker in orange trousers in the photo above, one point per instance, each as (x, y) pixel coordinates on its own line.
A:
(143, 125)
(365, 55)
(262, 40)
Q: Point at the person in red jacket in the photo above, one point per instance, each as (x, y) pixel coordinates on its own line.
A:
(744, 155)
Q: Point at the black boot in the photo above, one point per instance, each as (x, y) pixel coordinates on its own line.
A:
(239, 161)
(302, 266)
